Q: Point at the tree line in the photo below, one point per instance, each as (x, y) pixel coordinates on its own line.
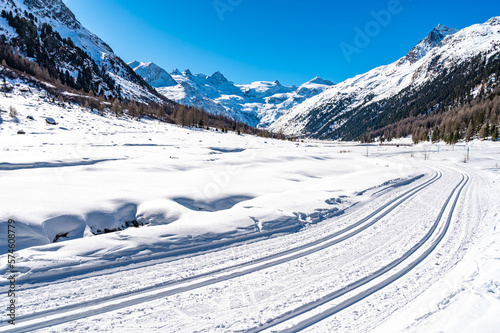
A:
(480, 118)
(166, 111)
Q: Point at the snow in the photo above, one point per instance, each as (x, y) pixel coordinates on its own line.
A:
(232, 228)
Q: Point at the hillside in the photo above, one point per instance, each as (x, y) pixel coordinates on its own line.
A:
(48, 34)
(446, 69)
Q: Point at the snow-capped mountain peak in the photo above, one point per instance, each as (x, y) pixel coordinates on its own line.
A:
(176, 72)
(319, 80)
(445, 30)
(216, 79)
(153, 74)
(55, 9)
(434, 39)
(440, 32)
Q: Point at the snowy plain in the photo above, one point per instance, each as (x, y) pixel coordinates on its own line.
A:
(239, 232)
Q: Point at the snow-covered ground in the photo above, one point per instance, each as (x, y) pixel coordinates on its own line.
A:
(239, 233)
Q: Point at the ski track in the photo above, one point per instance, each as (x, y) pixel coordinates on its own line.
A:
(358, 284)
(98, 306)
(303, 316)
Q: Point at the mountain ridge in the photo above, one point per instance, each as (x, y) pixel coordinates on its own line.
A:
(323, 115)
(152, 74)
(259, 103)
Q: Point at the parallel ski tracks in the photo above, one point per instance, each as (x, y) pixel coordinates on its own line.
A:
(383, 273)
(86, 309)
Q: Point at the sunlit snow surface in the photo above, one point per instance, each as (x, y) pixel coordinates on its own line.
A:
(191, 187)
(92, 172)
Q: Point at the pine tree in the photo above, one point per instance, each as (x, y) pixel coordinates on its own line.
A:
(115, 107)
(487, 130)
(435, 134)
(494, 133)
(132, 109)
(454, 137)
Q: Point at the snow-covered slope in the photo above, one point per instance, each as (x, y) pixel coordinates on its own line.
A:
(443, 49)
(57, 14)
(258, 104)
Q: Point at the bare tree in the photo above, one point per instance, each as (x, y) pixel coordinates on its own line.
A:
(13, 112)
(116, 107)
(426, 153)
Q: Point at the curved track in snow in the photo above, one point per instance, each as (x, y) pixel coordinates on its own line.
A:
(102, 305)
(403, 261)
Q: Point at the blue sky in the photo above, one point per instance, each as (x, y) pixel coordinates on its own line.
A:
(292, 41)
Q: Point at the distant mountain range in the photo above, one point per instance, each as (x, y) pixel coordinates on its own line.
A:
(347, 110)
(258, 104)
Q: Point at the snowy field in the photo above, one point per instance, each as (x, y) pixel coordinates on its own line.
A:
(124, 225)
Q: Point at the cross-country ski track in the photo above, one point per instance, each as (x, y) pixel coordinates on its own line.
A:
(297, 318)
(406, 267)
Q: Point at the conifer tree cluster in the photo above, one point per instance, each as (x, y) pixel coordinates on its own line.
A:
(440, 109)
(478, 119)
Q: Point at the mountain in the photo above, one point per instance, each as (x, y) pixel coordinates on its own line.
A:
(48, 33)
(152, 74)
(258, 104)
(446, 69)
(434, 39)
